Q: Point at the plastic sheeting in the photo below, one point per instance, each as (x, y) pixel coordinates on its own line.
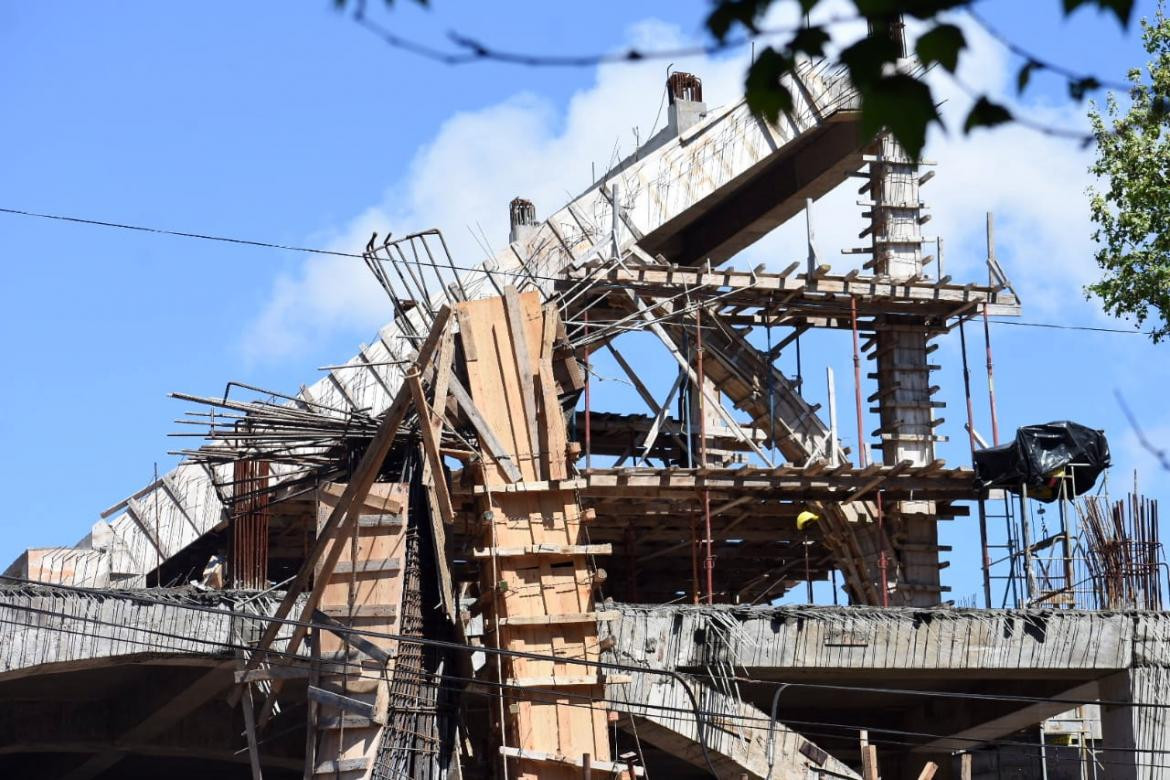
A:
(1042, 457)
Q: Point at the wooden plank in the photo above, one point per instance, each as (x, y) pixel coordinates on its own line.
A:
(393, 522)
(439, 493)
(523, 363)
(545, 549)
(358, 641)
(869, 763)
(494, 446)
(607, 767)
(378, 566)
(344, 703)
(536, 585)
(344, 721)
(568, 680)
(567, 617)
(543, 486)
(249, 708)
(273, 673)
(389, 611)
(965, 766)
(337, 765)
(928, 771)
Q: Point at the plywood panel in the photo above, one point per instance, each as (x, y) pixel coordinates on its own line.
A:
(346, 596)
(506, 389)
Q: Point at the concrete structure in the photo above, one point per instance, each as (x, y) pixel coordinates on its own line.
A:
(459, 590)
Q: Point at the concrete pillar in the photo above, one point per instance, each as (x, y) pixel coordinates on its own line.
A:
(903, 370)
(521, 220)
(684, 91)
(1133, 736)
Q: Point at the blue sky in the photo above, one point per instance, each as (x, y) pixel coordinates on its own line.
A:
(288, 122)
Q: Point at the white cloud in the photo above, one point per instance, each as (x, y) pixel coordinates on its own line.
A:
(464, 178)
(479, 160)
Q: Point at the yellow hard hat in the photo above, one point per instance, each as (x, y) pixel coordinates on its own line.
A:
(804, 518)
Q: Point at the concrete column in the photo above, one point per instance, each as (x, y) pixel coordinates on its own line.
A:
(903, 370)
(1133, 736)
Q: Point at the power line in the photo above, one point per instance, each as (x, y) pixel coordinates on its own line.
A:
(443, 644)
(260, 244)
(470, 269)
(666, 712)
(1058, 326)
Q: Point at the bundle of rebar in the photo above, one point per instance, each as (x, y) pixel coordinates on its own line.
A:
(1125, 553)
(248, 564)
(277, 429)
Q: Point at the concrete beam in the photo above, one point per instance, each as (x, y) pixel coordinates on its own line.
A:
(43, 628)
(739, 742)
(198, 693)
(1025, 716)
(778, 641)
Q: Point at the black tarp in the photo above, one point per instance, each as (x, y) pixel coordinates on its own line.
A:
(1041, 456)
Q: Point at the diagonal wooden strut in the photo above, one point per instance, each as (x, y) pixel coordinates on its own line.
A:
(341, 520)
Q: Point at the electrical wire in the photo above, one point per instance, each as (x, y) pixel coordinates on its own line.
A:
(667, 713)
(443, 644)
(260, 244)
(679, 715)
(423, 263)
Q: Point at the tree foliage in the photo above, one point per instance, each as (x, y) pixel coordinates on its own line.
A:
(900, 101)
(1132, 209)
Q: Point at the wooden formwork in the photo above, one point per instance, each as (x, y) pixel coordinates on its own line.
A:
(348, 691)
(534, 559)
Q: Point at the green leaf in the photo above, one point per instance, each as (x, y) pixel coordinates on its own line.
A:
(941, 44)
(866, 58)
(766, 96)
(1025, 75)
(986, 114)
(903, 105)
(919, 9)
(810, 40)
(728, 13)
(1078, 87)
(1122, 9)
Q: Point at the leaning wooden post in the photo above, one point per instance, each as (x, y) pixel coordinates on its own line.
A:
(869, 763)
(341, 520)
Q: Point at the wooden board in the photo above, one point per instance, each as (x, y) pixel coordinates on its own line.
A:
(517, 399)
(362, 592)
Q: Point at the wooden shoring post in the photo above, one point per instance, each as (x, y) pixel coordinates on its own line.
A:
(861, 458)
(313, 711)
(991, 263)
(928, 771)
(869, 762)
(709, 559)
(833, 454)
(990, 379)
(660, 418)
(883, 562)
(588, 408)
(341, 521)
(965, 766)
(736, 428)
(250, 728)
(644, 392)
(440, 494)
(982, 503)
(490, 440)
